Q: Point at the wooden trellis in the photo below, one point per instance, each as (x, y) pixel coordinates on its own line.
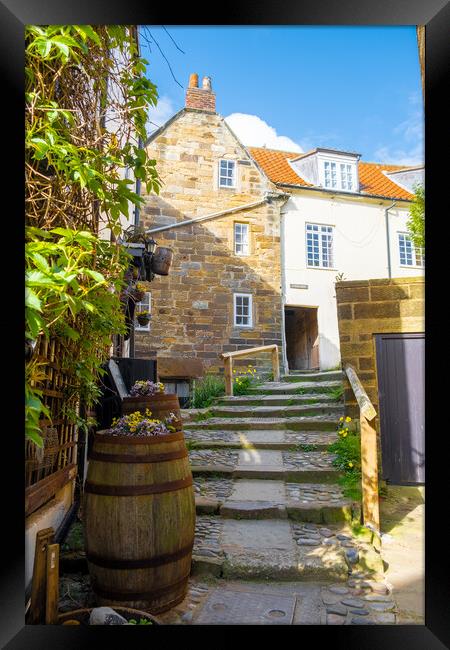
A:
(47, 470)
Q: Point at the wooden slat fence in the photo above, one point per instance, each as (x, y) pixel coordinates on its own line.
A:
(60, 436)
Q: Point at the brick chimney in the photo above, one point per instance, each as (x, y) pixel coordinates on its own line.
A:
(200, 98)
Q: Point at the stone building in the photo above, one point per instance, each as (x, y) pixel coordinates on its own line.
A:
(220, 214)
(259, 239)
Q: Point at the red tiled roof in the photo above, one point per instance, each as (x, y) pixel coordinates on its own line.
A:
(372, 181)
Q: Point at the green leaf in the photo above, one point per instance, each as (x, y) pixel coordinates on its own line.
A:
(43, 46)
(98, 277)
(34, 323)
(40, 262)
(31, 432)
(31, 300)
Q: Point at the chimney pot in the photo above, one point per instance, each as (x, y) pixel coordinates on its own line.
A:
(206, 83)
(193, 80)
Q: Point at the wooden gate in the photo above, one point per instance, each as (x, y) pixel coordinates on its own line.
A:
(401, 388)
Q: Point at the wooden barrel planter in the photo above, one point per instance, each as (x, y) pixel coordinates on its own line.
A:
(139, 520)
(160, 405)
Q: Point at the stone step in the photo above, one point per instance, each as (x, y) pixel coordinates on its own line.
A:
(271, 411)
(275, 400)
(305, 423)
(261, 499)
(261, 439)
(314, 376)
(296, 387)
(298, 467)
(272, 549)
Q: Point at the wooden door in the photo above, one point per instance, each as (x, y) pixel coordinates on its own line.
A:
(401, 388)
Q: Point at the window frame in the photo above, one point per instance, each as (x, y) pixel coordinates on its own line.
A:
(219, 176)
(331, 266)
(148, 298)
(250, 310)
(247, 226)
(336, 160)
(415, 254)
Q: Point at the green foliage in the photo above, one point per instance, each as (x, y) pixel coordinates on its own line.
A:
(142, 621)
(336, 393)
(73, 160)
(348, 459)
(245, 380)
(416, 221)
(85, 112)
(206, 390)
(72, 284)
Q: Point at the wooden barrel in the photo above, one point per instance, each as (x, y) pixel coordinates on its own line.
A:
(160, 405)
(139, 520)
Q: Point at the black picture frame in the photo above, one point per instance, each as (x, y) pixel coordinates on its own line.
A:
(435, 15)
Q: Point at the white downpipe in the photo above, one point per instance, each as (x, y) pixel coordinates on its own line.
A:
(283, 294)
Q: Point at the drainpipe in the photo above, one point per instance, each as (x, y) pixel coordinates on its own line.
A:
(388, 244)
(283, 295)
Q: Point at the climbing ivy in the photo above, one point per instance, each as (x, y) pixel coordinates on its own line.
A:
(85, 116)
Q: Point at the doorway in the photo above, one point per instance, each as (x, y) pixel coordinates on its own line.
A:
(401, 390)
(302, 338)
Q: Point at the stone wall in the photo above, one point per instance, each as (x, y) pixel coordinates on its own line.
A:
(369, 307)
(193, 306)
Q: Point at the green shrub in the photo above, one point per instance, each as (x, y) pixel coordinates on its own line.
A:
(206, 390)
(348, 459)
(245, 380)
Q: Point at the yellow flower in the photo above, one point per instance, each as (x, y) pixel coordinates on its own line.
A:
(344, 434)
(347, 419)
(340, 419)
(350, 464)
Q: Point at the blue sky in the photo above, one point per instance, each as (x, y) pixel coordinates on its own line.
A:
(296, 88)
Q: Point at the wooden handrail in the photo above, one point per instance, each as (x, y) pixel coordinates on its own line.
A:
(365, 405)
(369, 455)
(228, 363)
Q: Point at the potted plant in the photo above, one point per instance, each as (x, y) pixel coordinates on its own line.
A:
(143, 317)
(146, 394)
(137, 292)
(139, 514)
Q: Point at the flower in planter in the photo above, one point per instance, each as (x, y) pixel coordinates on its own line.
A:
(138, 424)
(143, 317)
(146, 388)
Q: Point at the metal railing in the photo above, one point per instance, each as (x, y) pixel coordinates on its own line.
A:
(228, 363)
(369, 455)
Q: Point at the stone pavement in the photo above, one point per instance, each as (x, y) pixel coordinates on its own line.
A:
(403, 550)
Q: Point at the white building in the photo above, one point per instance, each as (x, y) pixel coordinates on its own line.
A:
(344, 218)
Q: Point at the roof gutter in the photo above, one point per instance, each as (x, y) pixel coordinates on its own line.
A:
(340, 193)
(215, 215)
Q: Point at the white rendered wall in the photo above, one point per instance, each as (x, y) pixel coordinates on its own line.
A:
(359, 250)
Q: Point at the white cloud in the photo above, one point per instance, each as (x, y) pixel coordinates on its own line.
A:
(410, 137)
(252, 131)
(159, 114)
